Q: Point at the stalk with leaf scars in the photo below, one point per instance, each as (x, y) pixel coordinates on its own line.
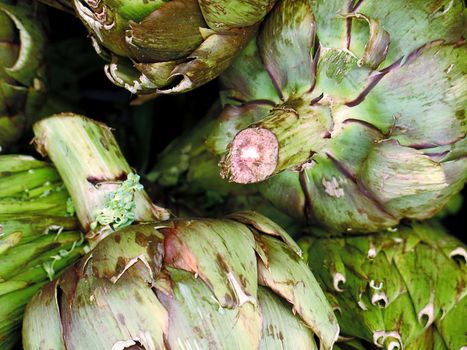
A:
(22, 73)
(39, 236)
(404, 289)
(160, 47)
(232, 283)
(357, 108)
(105, 191)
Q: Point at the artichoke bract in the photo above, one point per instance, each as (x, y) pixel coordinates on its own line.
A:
(223, 284)
(357, 108)
(38, 236)
(22, 72)
(404, 289)
(233, 283)
(169, 46)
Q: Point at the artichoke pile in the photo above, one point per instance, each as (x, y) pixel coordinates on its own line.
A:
(39, 237)
(341, 120)
(231, 283)
(22, 72)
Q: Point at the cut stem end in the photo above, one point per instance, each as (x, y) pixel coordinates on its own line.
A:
(252, 156)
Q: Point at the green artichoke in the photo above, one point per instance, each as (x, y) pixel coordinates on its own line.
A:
(232, 283)
(22, 80)
(358, 107)
(404, 289)
(38, 237)
(169, 46)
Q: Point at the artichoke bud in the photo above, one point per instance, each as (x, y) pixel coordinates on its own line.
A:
(392, 292)
(177, 284)
(342, 112)
(173, 46)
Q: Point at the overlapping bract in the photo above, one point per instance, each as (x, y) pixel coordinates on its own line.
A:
(226, 284)
(169, 46)
(22, 80)
(404, 289)
(231, 283)
(38, 237)
(359, 109)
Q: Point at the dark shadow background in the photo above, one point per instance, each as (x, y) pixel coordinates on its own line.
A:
(77, 83)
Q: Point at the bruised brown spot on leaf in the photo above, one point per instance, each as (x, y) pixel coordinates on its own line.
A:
(117, 237)
(121, 319)
(229, 301)
(69, 282)
(155, 250)
(177, 253)
(141, 239)
(121, 263)
(221, 261)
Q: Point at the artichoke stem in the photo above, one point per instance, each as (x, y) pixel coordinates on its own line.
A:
(92, 167)
(280, 141)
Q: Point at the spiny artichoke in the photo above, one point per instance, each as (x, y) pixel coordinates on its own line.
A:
(22, 80)
(169, 46)
(232, 283)
(358, 107)
(404, 289)
(38, 237)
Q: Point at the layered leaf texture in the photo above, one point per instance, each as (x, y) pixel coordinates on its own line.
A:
(234, 283)
(169, 46)
(349, 115)
(39, 237)
(404, 289)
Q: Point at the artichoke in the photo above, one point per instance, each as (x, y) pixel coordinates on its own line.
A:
(169, 46)
(357, 108)
(232, 283)
(38, 237)
(404, 289)
(22, 80)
